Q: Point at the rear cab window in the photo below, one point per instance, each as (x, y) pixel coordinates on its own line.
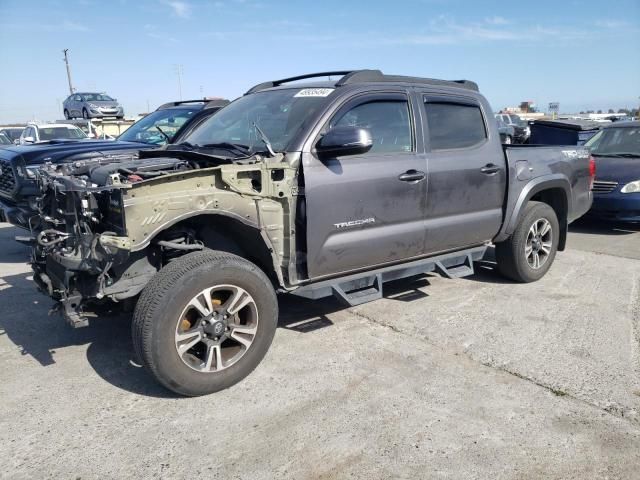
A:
(453, 124)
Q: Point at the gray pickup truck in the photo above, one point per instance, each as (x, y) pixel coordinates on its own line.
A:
(313, 188)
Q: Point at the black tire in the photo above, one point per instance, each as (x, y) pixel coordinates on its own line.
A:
(163, 302)
(66, 114)
(119, 118)
(85, 114)
(511, 255)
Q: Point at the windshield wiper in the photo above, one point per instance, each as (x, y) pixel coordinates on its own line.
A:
(162, 132)
(617, 155)
(182, 146)
(238, 147)
(264, 139)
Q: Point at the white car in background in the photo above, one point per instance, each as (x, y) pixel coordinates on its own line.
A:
(44, 132)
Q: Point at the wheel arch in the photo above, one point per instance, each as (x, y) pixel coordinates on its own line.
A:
(230, 233)
(555, 192)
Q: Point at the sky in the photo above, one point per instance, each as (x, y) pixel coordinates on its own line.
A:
(583, 54)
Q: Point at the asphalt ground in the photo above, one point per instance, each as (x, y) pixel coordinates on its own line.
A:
(466, 378)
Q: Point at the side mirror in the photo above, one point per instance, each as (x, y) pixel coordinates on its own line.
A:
(29, 140)
(345, 140)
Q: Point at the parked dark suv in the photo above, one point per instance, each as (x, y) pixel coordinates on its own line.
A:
(19, 164)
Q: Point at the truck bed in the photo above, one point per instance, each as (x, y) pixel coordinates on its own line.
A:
(565, 166)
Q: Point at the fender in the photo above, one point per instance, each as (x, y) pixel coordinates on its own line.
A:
(515, 206)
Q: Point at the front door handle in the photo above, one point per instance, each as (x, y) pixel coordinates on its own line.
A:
(412, 176)
(490, 169)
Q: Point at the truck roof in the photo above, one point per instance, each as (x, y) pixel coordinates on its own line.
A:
(206, 103)
(51, 125)
(350, 77)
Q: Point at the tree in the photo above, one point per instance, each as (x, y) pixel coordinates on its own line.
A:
(599, 111)
(581, 113)
(611, 111)
(623, 110)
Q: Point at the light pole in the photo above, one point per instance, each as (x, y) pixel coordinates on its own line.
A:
(66, 62)
(179, 70)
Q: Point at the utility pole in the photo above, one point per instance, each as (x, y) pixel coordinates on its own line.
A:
(179, 71)
(66, 62)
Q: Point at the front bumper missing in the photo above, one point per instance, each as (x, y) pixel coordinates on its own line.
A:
(80, 282)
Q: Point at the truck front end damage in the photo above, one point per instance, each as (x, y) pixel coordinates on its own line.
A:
(107, 229)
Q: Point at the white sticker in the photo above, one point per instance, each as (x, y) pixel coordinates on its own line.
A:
(314, 92)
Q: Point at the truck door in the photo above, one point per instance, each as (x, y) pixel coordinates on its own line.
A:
(467, 173)
(367, 209)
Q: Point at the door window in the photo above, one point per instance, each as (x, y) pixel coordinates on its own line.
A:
(387, 120)
(454, 125)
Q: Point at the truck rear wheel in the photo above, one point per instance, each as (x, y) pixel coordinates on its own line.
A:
(204, 322)
(528, 254)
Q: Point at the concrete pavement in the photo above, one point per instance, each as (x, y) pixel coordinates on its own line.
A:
(466, 378)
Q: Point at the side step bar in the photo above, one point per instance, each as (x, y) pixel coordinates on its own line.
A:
(366, 287)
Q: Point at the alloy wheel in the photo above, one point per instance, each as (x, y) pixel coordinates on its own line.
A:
(539, 243)
(216, 328)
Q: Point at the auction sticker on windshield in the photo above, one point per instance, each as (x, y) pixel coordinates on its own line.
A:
(314, 92)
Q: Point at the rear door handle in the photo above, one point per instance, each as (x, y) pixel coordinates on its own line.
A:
(490, 169)
(412, 176)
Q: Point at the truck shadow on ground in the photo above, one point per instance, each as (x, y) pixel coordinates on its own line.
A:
(109, 349)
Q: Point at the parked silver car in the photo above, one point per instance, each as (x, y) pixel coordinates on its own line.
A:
(44, 132)
(91, 105)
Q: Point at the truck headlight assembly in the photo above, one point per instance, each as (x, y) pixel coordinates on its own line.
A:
(631, 187)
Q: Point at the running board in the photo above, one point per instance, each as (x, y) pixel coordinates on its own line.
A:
(352, 293)
(463, 270)
(366, 287)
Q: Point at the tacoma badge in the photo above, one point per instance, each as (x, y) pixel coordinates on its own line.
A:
(355, 223)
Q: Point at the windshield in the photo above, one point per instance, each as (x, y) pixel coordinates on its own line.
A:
(612, 141)
(4, 140)
(12, 133)
(97, 97)
(280, 114)
(169, 121)
(516, 120)
(52, 133)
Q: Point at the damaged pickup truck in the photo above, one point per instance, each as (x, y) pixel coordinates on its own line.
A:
(316, 189)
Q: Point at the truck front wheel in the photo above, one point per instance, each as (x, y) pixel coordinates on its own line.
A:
(204, 322)
(528, 254)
